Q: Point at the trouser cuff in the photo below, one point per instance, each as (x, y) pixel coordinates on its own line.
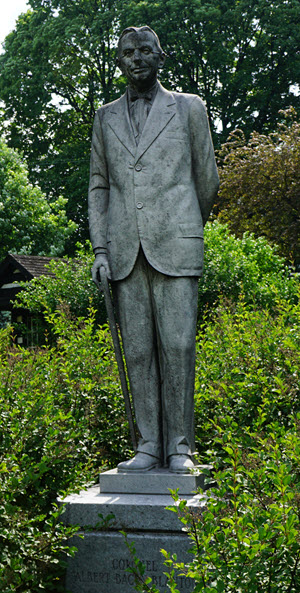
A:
(149, 447)
(179, 446)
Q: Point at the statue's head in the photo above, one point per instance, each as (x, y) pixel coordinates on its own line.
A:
(140, 56)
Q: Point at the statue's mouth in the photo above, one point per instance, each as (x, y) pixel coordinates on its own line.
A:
(137, 70)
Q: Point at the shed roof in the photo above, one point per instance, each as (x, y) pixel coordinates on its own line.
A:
(31, 266)
(17, 268)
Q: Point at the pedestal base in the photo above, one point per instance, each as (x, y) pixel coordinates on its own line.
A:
(102, 560)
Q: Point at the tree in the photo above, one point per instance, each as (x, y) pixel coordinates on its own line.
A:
(236, 54)
(59, 65)
(28, 222)
(260, 185)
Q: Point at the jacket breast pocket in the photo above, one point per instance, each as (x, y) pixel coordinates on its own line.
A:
(189, 229)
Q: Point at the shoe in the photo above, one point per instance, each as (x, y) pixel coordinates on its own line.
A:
(180, 464)
(141, 462)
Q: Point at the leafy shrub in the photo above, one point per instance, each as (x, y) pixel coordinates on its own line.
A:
(247, 360)
(248, 266)
(71, 286)
(31, 548)
(61, 419)
(232, 266)
(247, 538)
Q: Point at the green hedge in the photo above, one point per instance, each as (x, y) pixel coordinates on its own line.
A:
(246, 266)
(232, 267)
(61, 420)
(246, 538)
(248, 363)
(62, 416)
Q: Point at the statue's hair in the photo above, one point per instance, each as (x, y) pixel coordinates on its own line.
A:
(137, 30)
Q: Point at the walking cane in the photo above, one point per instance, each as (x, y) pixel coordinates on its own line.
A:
(118, 352)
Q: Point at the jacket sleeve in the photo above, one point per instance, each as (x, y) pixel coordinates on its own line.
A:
(98, 188)
(203, 159)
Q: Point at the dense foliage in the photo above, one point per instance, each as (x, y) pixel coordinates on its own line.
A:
(59, 65)
(232, 267)
(248, 367)
(29, 223)
(61, 419)
(260, 185)
(71, 287)
(247, 536)
(246, 265)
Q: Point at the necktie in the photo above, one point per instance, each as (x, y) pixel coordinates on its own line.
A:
(141, 104)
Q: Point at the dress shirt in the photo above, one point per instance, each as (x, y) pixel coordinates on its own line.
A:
(139, 108)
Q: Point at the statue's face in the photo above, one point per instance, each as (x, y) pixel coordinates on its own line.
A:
(140, 58)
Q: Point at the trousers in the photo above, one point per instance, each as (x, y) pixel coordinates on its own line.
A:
(157, 316)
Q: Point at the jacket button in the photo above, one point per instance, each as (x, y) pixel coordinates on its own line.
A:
(138, 167)
(139, 205)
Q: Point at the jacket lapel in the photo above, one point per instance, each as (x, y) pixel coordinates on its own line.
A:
(161, 113)
(119, 121)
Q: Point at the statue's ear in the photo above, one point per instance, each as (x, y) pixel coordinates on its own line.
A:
(119, 64)
(162, 59)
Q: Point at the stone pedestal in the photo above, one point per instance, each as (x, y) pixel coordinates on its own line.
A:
(135, 504)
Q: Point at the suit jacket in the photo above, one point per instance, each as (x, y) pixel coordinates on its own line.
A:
(158, 194)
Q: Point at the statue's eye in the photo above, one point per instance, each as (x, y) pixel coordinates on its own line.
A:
(146, 50)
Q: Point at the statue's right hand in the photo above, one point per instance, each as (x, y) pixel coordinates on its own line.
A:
(100, 260)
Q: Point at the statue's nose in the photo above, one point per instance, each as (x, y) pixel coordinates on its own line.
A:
(136, 55)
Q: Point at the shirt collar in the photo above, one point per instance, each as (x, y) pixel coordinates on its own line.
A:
(149, 95)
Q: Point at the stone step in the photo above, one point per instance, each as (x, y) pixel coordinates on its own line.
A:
(156, 481)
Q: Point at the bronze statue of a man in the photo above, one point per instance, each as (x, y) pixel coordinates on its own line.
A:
(153, 182)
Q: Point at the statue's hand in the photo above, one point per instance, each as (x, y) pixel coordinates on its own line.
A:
(100, 260)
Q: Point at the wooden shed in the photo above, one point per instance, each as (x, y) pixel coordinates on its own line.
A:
(13, 270)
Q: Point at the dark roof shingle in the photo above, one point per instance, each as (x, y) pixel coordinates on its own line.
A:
(34, 264)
